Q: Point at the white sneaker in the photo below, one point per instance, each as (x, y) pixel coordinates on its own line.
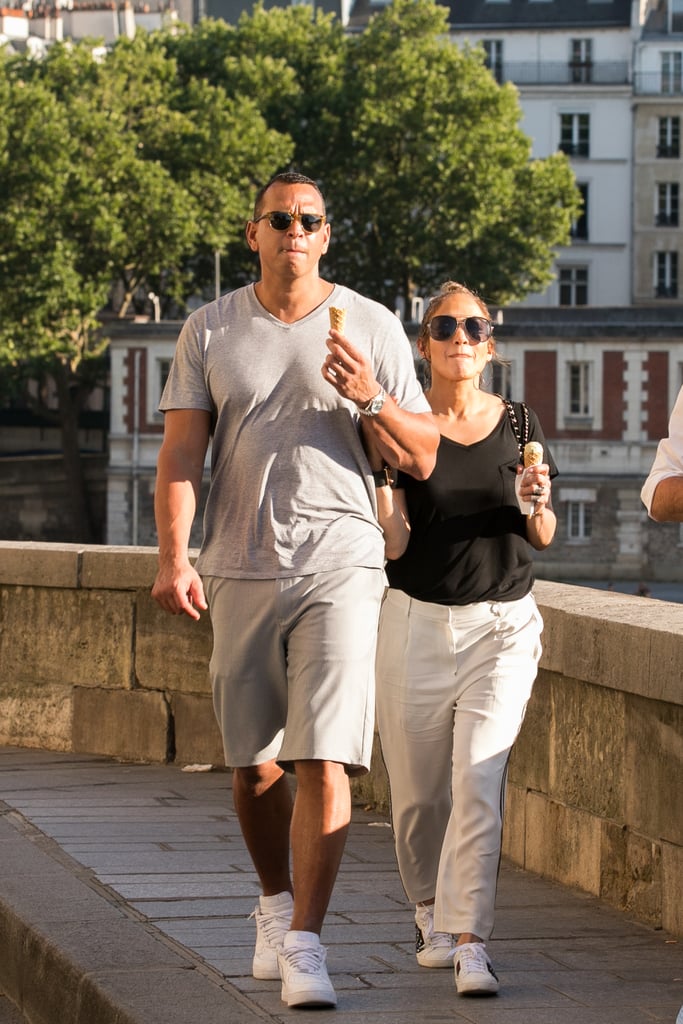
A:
(305, 981)
(474, 974)
(273, 919)
(432, 949)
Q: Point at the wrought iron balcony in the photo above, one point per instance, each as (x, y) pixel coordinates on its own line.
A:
(658, 83)
(563, 73)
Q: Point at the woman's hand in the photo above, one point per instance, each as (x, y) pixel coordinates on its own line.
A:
(535, 487)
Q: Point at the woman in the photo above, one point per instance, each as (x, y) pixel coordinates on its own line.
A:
(459, 639)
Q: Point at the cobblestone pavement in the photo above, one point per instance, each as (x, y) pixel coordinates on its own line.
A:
(126, 890)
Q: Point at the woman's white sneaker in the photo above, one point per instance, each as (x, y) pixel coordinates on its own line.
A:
(474, 974)
(432, 949)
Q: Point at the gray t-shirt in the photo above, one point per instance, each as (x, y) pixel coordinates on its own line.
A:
(291, 490)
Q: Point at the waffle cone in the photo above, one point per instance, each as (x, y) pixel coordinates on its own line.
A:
(533, 453)
(337, 318)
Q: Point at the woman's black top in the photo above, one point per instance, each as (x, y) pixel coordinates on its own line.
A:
(468, 537)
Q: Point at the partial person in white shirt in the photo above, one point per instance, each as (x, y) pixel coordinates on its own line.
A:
(662, 492)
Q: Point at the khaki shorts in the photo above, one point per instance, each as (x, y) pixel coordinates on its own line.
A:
(292, 667)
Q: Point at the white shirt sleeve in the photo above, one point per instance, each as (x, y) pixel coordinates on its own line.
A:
(669, 458)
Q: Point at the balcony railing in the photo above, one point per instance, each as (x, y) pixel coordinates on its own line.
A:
(564, 73)
(657, 83)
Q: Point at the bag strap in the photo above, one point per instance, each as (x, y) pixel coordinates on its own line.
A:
(523, 434)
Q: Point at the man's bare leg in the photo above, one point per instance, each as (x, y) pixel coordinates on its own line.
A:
(263, 802)
(320, 823)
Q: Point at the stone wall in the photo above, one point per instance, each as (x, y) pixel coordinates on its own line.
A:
(89, 663)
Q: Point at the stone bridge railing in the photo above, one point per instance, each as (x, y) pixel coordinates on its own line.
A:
(89, 663)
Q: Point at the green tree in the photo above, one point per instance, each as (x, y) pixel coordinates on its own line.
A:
(434, 179)
(292, 62)
(427, 172)
(109, 169)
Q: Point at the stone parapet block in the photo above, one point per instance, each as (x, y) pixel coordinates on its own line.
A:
(36, 715)
(172, 651)
(617, 640)
(66, 636)
(196, 733)
(131, 725)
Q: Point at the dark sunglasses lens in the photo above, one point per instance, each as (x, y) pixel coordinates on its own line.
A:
(311, 222)
(478, 328)
(280, 221)
(441, 328)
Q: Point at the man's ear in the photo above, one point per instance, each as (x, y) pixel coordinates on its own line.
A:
(250, 234)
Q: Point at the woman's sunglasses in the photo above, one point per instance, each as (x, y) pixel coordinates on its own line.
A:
(477, 328)
(280, 220)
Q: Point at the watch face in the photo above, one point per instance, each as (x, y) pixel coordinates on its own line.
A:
(376, 404)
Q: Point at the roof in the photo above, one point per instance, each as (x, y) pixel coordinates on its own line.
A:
(547, 14)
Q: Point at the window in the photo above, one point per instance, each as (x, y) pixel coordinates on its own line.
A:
(677, 15)
(669, 137)
(579, 520)
(578, 377)
(162, 368)
(666, 275)
(579, 229)
(494, 57)
(575, 134)
(573, 286)
(672, 71)
(581, 60)
(666, 204)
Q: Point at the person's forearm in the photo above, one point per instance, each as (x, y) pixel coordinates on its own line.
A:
(392, 516)
(667, 501)
(406, 440)
(541, 528)
(175, 505)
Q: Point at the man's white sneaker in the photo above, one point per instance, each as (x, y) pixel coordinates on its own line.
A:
(432, 949)
(474, 974)
(273, 919)
(305, 981)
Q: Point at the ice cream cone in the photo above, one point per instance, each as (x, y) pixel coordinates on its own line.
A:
(533, 456)
(337, 318)
(533, 453)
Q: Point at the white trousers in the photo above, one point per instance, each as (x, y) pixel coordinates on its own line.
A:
(452, 688)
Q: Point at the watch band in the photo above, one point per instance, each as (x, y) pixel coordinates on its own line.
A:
(382, 477)
(374, 406)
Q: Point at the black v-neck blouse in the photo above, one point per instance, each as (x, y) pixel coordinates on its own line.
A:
(468, 537)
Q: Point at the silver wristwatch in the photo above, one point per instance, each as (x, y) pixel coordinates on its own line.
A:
(374, 405)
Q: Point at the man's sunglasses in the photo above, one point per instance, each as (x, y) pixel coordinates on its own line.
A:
(477, 328)
(280, 220)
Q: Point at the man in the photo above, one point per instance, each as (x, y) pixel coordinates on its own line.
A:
(292, 557)
(662, 492)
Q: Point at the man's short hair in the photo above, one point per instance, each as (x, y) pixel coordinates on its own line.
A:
(285, 178)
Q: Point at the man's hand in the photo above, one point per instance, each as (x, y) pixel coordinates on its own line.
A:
(349, 371)
(179, 589)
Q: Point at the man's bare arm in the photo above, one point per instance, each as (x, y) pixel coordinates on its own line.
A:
(667, 501)
(178, 587)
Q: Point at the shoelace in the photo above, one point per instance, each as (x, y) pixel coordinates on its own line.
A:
(304, 959)
(273, 924)
(472, 959)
